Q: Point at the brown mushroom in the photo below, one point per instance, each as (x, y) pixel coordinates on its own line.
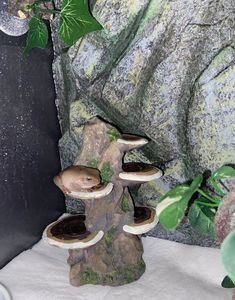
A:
(71, 233)
(145, 219)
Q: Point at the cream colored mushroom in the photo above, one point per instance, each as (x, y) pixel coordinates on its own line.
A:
(71, 235)
(139, 172)
(148, 222)
(100, 192)
(132, 140)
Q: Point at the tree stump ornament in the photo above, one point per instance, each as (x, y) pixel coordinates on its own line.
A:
(104, 244)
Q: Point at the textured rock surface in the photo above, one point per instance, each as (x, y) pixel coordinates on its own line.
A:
(160, 68)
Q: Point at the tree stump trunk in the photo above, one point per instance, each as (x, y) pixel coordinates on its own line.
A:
(116, 258)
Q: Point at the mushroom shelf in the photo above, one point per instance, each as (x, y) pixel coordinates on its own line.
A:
(104, 244)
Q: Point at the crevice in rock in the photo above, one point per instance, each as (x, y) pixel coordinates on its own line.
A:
(187, 149)
(225, 69)
(211, 24)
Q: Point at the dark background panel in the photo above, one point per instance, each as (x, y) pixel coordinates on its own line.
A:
(29, 133)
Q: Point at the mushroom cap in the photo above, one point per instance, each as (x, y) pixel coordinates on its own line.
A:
(132, 140)
(139, 172)
(145, 219)
(96, 193)
(70, 233)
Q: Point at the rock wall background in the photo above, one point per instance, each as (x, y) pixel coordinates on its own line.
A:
(163, 69)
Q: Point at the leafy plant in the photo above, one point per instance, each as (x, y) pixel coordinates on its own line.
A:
(192, 199)
(75, 21)
(37, 34)
(202, 218)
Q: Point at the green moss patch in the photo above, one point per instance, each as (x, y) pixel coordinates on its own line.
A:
(90, 277)
(93, 163)
(113, 134)
(125, 203)
(109, 237)
(116, 278)
(106, 172)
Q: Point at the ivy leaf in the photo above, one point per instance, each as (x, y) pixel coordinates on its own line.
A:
(222, 173)
(228, 283)
(76, 21)
(202, 219)
(173, 205)
(228, 254)
(37, 34)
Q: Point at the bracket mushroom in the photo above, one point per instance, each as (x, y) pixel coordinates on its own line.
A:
(139, 172)
(145, 219)
(71, 233)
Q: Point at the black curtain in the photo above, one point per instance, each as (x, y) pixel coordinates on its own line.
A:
(29, 133)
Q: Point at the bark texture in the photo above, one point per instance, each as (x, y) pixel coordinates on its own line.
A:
(117, 258)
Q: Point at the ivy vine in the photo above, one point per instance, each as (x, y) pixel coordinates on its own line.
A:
(75, 21)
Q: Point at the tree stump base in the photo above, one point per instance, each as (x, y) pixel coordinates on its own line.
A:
(104, 245)
(109, 262)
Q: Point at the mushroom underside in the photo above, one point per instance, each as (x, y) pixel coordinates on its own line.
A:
(145, 219)
(71, 233)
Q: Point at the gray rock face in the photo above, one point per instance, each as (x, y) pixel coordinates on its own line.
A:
(160, 68)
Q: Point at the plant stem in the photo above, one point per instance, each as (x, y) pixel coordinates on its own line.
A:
(42, 1)
(214, 200)
(224, 186)
(52, 11)
(217, 188)
(207, 204)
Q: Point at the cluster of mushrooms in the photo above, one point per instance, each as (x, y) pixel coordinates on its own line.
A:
(79, 231)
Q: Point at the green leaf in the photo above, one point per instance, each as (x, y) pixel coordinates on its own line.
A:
(222, 173)
(227, 283)
(228, 254)
(197, 181)
(202, 219)
(173, 205)
(76, 21)
(171, 209)
(172, 215)
(176, 193)
(37, 34)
